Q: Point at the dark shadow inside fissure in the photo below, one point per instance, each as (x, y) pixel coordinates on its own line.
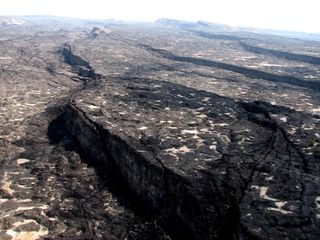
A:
(58, 134)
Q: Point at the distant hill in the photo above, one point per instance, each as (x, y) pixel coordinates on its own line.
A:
(181, 24)
(175, 23)
(162, 22)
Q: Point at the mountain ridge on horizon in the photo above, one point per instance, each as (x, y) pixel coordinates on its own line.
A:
(170, 22)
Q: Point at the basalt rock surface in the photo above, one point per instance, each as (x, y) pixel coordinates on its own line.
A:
(154, 132)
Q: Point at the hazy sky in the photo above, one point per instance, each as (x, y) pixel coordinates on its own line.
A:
(277, 14)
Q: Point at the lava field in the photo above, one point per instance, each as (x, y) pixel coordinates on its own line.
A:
(114, 130)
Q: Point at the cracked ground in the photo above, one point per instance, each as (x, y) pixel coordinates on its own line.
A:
(148, 132)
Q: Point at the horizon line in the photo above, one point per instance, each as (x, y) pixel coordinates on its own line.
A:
(241, 27)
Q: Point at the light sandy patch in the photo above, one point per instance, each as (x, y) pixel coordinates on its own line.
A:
(32, 235)
(279, 204)
(213, 147)
(6, 183)
(195, 131)
(92, 107)
(220, 124)
(284, 119)
(183, 149)
(22, 160)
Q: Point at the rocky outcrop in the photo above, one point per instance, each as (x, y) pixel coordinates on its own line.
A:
(96, 31)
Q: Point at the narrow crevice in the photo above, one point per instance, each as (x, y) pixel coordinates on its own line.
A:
(213, 36)
(79, 65)
(72, 59)
(58, 133)
(145, 225)
(250, 73)
(258, 113)
(281, 54)
(148, 186)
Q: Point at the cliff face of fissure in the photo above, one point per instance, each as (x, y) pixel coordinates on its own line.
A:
(156, 188)
(202, 208)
